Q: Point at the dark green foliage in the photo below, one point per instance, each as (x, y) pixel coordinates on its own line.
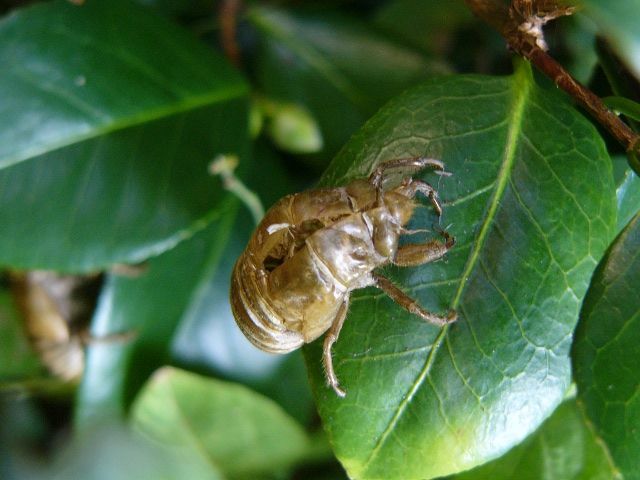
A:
(110, 114)
(606, 351)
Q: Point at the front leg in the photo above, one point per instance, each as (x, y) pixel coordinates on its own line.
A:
(413, 254)
(378, 176)
(417, 163)
(409, 304)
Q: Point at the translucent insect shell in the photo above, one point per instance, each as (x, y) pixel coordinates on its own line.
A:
(312, 249)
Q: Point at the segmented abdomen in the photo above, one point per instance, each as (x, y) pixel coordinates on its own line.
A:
(253, 314)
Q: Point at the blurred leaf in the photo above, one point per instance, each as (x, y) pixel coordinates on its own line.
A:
(627, 191)
(188, 8)
(22, 432)
(229, 425)
(17, 359)
(429, 25)
(579, 40)
(563, 448)
(209, 338)
(334, 65)
(607, 348)
(532, 205)
(618, 22)
(178, 306)
(113, 452)
(624, 106)
(148, 306)
(109, 117)
(621, 81)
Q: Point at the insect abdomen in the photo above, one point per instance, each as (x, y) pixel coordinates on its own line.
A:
(306, 293)
(257, 320)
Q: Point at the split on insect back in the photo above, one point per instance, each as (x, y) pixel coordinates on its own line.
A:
(293, 281)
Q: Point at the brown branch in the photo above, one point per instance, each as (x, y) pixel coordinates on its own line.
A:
(509, 22)
(228, 29)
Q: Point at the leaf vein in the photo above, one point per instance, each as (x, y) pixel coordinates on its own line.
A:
(521, 92)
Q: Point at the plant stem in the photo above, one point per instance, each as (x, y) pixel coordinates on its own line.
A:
(497, 14)
(229, 10)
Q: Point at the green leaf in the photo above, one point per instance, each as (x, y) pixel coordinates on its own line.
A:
(563, 448)
(17, 359)
(149, 306)
(531, 204)
(180, 8)
(112, 451)
(23, 427)
(428, 25)
(109, 117)
(241, 432)
(209, 339)
(627, 191)
(177, 307)
(617, 21)
(579, 39)
(606, 349)
(324, 61)
(624, 106)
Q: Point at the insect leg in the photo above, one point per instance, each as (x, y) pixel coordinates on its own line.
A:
(416, 163)
(418, 254)
(330, 338)
(409, 304)
(414, 186)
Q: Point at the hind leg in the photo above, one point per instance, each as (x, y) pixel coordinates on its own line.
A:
(410, 304)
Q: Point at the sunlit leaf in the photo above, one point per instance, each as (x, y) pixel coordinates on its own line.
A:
(563, 448)
(229, 425)
(531, 202)
(112, 451)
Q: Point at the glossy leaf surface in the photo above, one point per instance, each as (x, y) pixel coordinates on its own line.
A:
(229, 425)
(606, 351)
(563, 448)
(109, 117)
(531, 203)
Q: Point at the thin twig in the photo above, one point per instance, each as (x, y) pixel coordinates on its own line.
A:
(224, 166)
(229, 10)
(498, 15)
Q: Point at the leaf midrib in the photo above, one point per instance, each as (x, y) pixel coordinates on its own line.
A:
(522, 82)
